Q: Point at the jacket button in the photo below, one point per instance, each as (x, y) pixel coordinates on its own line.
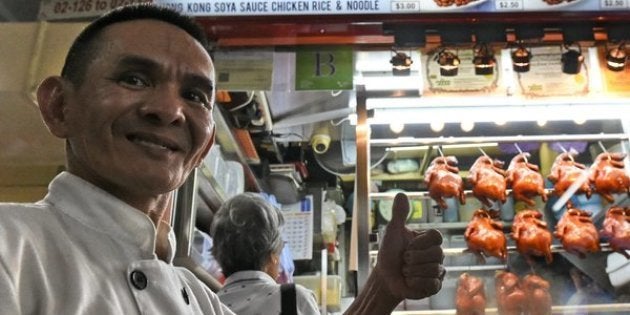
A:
(138, 279)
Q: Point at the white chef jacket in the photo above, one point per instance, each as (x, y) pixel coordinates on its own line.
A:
(82, 251)
(256, 293)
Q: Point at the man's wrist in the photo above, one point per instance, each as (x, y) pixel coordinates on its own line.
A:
(375, 298)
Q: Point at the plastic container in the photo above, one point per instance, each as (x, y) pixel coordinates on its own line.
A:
(333, 291)
(234, 180)
(466, 211)
(618, 269)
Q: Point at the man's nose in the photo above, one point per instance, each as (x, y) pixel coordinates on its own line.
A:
(166, 106)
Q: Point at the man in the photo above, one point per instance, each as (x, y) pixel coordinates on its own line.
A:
(134, 105)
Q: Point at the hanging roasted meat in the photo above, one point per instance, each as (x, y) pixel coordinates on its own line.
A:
(443, 180)
(470, 298)
(511, 299)
(538, 296)
(565, 171)
(616, 229)
(608, 176)
(577, 232)
(485, 237)
(531, 235)
(487, 178)
(525, 180)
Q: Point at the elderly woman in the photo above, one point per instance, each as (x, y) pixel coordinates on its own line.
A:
(247, 245)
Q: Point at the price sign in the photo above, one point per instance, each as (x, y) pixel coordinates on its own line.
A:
(405, 6)
(613, 4)
(508, 5)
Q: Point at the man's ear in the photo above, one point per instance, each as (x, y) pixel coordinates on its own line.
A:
(51, 101)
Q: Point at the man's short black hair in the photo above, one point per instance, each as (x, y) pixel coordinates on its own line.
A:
(85, 45)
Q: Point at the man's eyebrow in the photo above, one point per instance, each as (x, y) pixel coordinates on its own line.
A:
(138, 61)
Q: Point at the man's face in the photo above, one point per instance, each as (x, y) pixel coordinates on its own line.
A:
(141, 120)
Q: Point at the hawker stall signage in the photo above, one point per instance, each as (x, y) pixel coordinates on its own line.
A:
(328, 68)
(66, 9)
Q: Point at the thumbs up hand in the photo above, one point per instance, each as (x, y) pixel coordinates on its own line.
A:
(409, 262)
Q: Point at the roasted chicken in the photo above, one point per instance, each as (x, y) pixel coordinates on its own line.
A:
(565, 171)
(471, 296)
(608, 176)
(538, 296)
(616, 229)
(443, 180)
(485, 236)
(487, 178)
(511, 298)
(577, 232)
(525, 180)
(531, 235)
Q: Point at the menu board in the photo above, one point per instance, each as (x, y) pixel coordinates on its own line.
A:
(65, 9)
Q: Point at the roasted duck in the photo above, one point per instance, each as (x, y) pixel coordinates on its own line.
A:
(577, 232)
(511, 299)
(531, 235)
(616, 229)
(608, 176)
(565, 171)
(525, 180)
(443, 180)
(487, 178)
(471, 296)
(538, 296)
(485, 236)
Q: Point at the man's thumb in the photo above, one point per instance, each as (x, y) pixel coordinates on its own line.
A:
(400, 210)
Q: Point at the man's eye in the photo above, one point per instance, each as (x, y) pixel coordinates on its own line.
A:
(197, 97)
(133, 80)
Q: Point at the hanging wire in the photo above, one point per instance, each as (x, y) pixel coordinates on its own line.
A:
(249, 100)
(439, 148)
(521, 152)
(337, 123)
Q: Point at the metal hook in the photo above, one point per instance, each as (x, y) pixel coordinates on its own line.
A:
(439, 148)
(483, 152)
(601, 145)
(565, 151)
(521, 152)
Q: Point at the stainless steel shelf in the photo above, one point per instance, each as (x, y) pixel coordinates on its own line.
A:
(461, 140)
(555, 248)
(425, 194)
(556, 309)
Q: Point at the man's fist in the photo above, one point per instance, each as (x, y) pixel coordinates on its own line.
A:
(409, 262)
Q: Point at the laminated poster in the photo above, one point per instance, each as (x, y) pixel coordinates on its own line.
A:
(466, 81)
(545, 77)
(615, 83)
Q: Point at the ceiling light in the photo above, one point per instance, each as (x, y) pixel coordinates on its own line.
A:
(437, 126)
(541, 122)
(520, 59)
(616, 58)
(396, 127)
(500, 122)
(467, 126)
(572, 59)
(483, 60)
(579, 121)
(448, 61)
(401, 64)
